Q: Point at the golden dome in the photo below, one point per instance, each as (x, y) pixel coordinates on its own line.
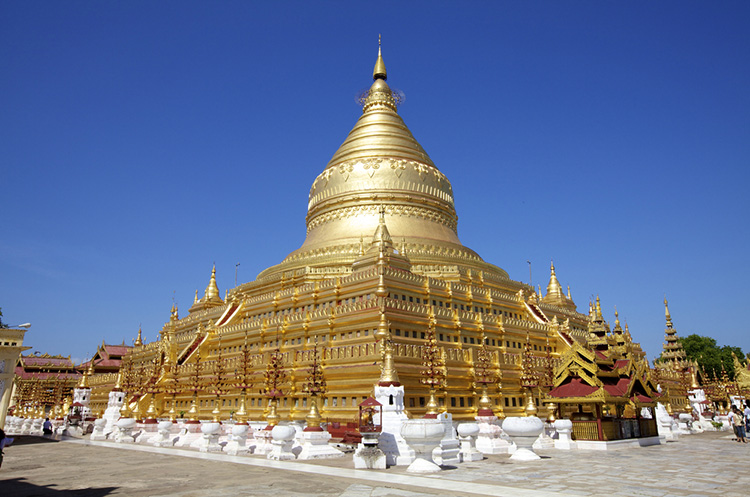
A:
(381, 165)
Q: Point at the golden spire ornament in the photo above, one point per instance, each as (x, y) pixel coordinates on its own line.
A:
(195, 384)
(243, 380)
(274, 379)
(484, 374)
(153, 388)
(528, 379)
(315, 386)
(216, 385)
(433, 368)
(379, 72)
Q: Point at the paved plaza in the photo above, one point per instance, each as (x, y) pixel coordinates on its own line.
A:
(696, 465)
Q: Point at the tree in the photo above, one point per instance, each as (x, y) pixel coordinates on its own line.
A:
(2, 325)
(709, 355)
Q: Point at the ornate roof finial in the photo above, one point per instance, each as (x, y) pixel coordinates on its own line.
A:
(212, 290)
(666, 312)
(382, 235)
(138, 341)
(617, 328)
(195, 300)
(554, 290)
(569, 297)
(598, 309)
(379, 71)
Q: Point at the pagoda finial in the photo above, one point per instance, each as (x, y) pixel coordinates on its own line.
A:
(138, 340)
(195, 300)
(666, 312)
(618, 328)
(379, 71)
(212, 290)
(554, 289)
(598, 309)
(382, 236)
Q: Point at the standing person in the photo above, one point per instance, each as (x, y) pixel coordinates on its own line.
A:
(747, 417)
(739, 424)
(732, 417)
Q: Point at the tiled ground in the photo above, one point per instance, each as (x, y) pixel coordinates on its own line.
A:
(706, 464)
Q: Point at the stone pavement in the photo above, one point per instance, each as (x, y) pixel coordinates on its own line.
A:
(704, 464)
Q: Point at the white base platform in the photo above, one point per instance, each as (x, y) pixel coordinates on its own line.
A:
(628, 443)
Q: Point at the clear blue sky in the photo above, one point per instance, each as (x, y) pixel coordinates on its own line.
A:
(142, 141)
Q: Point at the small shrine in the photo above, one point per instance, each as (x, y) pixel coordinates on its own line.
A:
(603, 386)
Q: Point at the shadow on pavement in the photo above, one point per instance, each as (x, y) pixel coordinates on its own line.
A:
(19, 487)
(28, 440)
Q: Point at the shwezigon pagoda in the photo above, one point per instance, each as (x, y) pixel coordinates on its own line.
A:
(381, 290)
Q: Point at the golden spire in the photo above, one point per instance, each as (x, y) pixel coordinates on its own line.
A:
(382, 236)
(84, 383)
(388, 373)
(569, 297)
(138, 341)
(598, 309)
(195, 300)
(617, 319)
(379, 71)
(212, 290)
(554, 290)
(666, 312)
(118, 382)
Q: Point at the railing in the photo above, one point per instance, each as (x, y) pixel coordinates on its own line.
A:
(614, 429)
(585, 430)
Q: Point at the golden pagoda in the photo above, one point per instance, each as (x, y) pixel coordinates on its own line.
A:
(381, 258)
(675, 372)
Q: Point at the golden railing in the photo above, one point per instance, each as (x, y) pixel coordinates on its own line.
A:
(614, 429)
(585, 430)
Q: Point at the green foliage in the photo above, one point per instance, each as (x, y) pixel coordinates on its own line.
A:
(710, 356)
(2, 325)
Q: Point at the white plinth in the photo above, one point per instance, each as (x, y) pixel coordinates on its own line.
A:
(188, 434)
(209, 442)
(263, 441)
(423, 435)
(98, 433)
(449, 451)
(146, 432)
(368, 455)
(544, 441)
(524, 432)
(124, 430)
(164, 436)
(467, 432)
(393, 445)
(237, 444)
(564, 429)
(283, 440)
(315, 446)
(491, 439)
